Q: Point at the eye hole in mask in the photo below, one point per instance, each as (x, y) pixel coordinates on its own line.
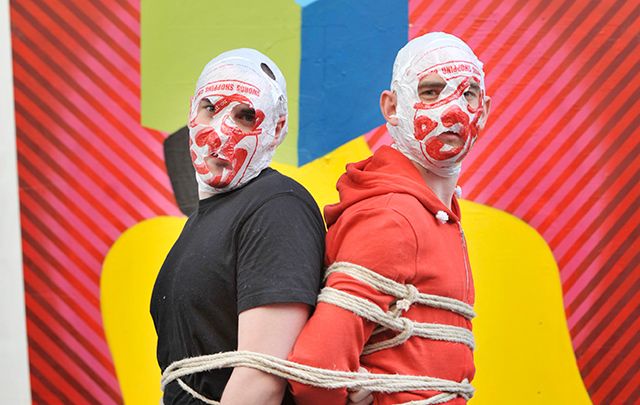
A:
(244, 117)
(430, 88)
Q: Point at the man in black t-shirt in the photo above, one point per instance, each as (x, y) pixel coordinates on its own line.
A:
(245, 272)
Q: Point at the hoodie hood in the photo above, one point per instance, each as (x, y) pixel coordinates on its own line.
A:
(387, 171)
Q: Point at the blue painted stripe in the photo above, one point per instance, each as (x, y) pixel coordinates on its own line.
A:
(348, 49)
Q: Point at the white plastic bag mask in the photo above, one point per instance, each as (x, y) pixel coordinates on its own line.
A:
(420, 123)
(238, 131)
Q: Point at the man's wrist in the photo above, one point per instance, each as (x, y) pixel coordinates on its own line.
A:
(251, 386)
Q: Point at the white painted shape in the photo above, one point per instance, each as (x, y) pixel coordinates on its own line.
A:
(14, 373)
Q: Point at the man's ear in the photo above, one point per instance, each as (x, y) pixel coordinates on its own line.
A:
(485, 113)
(279, 125)
(388, 104)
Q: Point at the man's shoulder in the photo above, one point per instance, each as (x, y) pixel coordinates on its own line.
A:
(393, 204)
(271, 183)
(409, 207)
(272, 187)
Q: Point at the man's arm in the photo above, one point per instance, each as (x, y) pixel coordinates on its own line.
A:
(280, 250)
(270, 329)
(381, 240)
(333, 340)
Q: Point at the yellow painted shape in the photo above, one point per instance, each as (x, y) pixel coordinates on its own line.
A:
(127, 279)
(523, 356)
(523, 348)
(320, 176)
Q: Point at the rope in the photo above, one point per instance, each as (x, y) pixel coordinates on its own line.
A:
(394, 341)
(371, 312)
(322, 378)
(406, 295)
(196, 394)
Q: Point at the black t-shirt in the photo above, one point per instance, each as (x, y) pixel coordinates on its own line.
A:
(260, 244)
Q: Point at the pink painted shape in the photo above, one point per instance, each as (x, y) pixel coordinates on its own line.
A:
(538, 81)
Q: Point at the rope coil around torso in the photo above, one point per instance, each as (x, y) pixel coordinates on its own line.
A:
(371, 312)
(400, 291)
(317, 377)
(406, 296)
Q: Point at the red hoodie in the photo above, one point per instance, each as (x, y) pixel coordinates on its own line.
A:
(386, 221)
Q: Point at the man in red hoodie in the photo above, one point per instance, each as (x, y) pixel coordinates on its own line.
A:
(398, 217)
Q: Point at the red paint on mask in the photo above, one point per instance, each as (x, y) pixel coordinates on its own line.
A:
(201, 168)
(459, 91)
(259, 119)
(215, 181)
(474, 128)
(237, 133)
(238, 160)
(226, 100)
(224, 179)
(450, 117)
(434, 149)
(422, 126)
(233, 133)
(454, 115)
(209, 137)
(228, 150)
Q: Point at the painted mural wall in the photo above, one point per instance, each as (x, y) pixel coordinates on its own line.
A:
(550, 190)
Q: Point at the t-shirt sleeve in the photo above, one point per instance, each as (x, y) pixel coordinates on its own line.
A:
(280, 253)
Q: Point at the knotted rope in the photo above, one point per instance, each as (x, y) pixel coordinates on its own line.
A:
(371, 312)
(406, 295)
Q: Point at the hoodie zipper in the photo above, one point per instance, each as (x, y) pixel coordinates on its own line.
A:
(466, 263)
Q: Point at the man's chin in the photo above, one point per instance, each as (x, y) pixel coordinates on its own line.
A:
(219, 183)
(221, 177)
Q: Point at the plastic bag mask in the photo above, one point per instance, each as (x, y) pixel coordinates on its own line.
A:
(233, 119)
(439, 84)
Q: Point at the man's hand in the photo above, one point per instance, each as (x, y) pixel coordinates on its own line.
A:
(361, 396)
(270, 329)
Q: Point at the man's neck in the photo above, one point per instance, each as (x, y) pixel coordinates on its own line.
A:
(204, 194)
(443, 187)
